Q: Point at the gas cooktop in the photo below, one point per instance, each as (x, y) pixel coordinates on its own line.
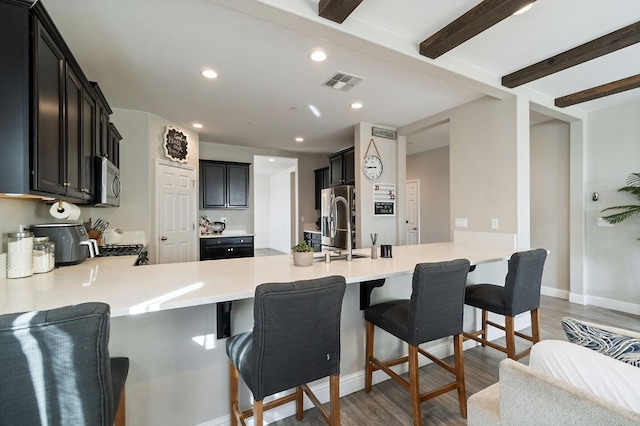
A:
(120, 250)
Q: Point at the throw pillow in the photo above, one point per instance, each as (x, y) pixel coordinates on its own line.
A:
(618, 346)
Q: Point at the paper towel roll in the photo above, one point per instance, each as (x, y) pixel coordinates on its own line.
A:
(65, 210)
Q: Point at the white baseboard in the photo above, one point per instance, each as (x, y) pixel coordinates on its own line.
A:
(616, 305)
(554, 292)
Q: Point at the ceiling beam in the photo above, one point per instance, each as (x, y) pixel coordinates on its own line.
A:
(483, 16)
(612, 88)
(611, 42)
(337, 10)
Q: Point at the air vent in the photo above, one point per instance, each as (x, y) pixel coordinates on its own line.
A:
(342, 81)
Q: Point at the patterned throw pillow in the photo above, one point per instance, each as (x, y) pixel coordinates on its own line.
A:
(617, 346)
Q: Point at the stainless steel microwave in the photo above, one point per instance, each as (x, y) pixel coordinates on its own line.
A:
(108, 184)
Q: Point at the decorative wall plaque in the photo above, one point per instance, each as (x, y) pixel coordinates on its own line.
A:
(384, 199)
(175, 144)
(383, 133)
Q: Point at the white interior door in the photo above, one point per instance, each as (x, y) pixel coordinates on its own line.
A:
(413, 212)
(175, 213)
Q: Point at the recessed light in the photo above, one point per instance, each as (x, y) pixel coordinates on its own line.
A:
(271, 160)
(197, 125)
(318, 56)
(523, 9)
(356, 105)
(299, 139)
(210, 73)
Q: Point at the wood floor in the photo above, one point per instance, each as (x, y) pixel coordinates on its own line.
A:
(388, 403)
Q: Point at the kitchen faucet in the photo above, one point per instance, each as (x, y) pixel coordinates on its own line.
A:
(347, 209)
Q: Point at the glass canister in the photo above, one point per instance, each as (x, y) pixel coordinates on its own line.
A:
(19, 254)
(51, 251)
(41, 255)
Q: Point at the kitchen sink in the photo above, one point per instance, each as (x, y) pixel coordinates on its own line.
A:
(319, 257)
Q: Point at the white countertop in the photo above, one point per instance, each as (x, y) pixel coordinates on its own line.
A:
(226, 234)
(131, 290)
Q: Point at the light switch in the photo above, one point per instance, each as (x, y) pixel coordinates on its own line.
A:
(494, 223)
(602, 222)
(461, 222)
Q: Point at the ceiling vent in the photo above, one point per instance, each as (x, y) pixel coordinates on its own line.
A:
(342, 81)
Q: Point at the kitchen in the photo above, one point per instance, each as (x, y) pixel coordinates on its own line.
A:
(141, 149)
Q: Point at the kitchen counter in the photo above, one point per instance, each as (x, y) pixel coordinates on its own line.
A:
(133, 290)
(226, 234)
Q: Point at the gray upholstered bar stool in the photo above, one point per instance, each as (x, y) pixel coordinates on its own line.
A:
(295, 340)
(55, 368)
(434, 311)
(520, 293)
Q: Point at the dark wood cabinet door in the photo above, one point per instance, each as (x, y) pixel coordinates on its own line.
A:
(238, 184)
(113, 147)
(348, 167)
(88, 143)
(225, 248)
(321, 182)
(335, 170)
(74, 158)
(213, 185)
(49, 161)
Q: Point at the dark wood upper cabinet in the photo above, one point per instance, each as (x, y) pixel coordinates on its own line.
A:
(49, 97)
(321, 182)
(342, 167)
(224, 185)
(49, 117)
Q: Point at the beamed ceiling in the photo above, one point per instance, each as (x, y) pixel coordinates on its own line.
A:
(490, 12)
(415, 59)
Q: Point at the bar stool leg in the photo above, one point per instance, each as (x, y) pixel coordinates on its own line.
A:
(299, 403)
(510, 337)
(535, 325)
(233, 392)
(334, 397)
(458, 352)
(485, 318)
(257, 413)
(368, 376)
(414, 385)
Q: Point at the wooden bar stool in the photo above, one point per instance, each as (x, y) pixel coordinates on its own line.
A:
(434, 311)
(295, 340)
(521, 293)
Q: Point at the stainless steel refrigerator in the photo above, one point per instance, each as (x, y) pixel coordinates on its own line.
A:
(334, 217)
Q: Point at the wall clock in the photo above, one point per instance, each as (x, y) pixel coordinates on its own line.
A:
(372, 163)
(372, 167)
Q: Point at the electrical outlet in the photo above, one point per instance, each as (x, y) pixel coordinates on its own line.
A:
(461, 222)
(494, 223)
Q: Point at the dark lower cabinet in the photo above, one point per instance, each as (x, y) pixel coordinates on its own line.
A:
(214, 248)
(313, 239)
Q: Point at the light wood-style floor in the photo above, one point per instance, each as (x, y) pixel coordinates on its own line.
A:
(388, 403)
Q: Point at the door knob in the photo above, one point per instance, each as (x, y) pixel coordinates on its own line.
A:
(163, 238)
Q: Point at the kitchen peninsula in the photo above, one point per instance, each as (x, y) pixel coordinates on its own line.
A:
(178, 367)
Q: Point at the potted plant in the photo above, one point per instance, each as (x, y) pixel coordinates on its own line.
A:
(625, 212)
(302, 254)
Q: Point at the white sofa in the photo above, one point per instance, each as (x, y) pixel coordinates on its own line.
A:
(565, 384)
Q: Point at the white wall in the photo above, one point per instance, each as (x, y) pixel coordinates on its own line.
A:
(280, 204)
(432, 168)
(484, 159)
(263, 218)
(612, 271)
(366, 222)
(550, 202)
